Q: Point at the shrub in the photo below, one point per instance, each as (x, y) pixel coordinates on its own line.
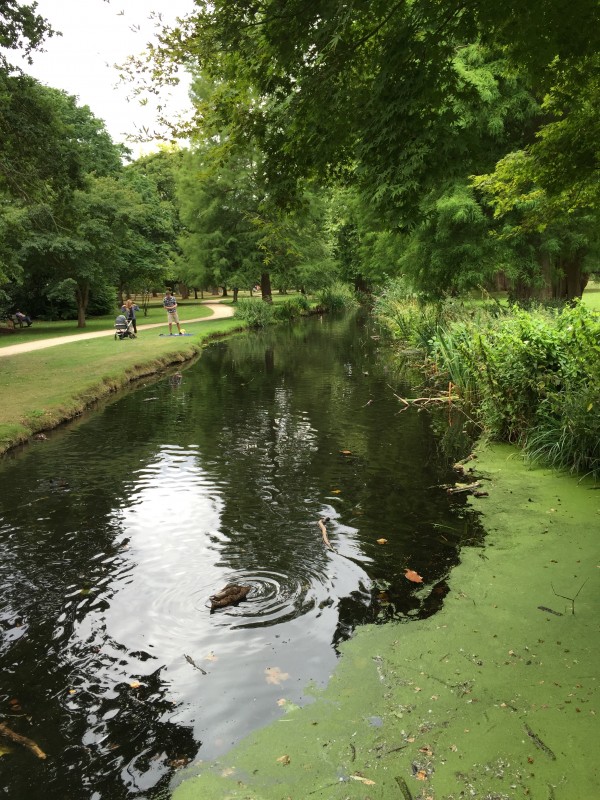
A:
(256, 313)
(336, 297)
(531, 376)
(535, 378)
(292, 307)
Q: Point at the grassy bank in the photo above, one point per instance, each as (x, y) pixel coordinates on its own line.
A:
(528, 376)
(495, 696)
(40, 389)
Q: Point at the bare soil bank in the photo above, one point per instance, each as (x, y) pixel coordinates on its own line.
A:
(493, 698)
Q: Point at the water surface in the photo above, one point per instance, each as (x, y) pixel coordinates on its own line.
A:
(116, 530)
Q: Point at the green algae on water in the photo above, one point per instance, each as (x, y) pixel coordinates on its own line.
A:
(496, 696)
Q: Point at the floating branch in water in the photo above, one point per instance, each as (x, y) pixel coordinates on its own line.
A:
(538, 743)
(191, 661)
(572, 599)
(22, 740)
(321, 524)
(464, 487)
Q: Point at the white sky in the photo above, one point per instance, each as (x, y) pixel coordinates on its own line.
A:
(96, 35)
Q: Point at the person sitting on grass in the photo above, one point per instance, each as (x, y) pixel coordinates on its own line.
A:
(21, 317)
(172, 317)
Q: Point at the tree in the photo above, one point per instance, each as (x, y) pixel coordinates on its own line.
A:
(403, 100)
(149, 247)
(21, 29)
(219, 241)
(65, 228)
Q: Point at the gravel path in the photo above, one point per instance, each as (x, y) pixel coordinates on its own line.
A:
(219, 312)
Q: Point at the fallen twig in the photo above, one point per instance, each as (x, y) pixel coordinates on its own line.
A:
(191, 661)
(403, 788)
(463, 488)
(572, 599)
(22, 740)
(538, 743)
(321, 524)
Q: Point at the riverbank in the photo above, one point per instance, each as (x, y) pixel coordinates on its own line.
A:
(495, 696)
(42, 388)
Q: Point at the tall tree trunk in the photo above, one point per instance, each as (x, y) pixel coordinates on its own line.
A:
(361, 285)
(574, 280)
(184, 291)
(265, 287)
(225, 292)
(235, 294)
(82, 295)
(545, 290)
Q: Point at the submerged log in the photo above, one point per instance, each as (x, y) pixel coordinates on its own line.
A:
(22, 740)
(230, 595)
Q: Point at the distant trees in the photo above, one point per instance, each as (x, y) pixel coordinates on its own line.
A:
(235, 233)
(83, 226)
(483, 112)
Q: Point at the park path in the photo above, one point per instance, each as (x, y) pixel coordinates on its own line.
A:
(219, 312)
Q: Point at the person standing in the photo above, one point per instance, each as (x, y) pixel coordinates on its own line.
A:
(129, 308)
(170, 304)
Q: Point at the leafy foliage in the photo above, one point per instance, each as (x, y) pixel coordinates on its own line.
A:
(336, 297)
(256, 313)
(532, 376)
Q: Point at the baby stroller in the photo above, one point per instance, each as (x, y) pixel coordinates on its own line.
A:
(123, 328)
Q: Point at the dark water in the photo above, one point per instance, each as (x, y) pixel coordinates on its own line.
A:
(115, 531)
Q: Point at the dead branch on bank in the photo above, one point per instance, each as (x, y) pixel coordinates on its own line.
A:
(423, 402)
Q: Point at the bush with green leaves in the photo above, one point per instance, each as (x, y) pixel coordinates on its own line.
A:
(256, 313)
(534, 377)
(529, 376)
(292, 307)
(406, 316)
(336, 297)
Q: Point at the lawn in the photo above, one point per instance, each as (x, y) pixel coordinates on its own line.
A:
(188, 309)
(50, 330)
(57, 383)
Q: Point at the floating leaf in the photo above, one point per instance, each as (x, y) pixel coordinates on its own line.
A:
(381, 541)
(346, 452)
(336, 491)
(360, 778)
(421, 775)
(211, 657)
(413, 576)
(275, 675)
(282, 701)
(285, 760)
(135, 684)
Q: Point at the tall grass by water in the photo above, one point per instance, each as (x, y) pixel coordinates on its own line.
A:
(530, 376)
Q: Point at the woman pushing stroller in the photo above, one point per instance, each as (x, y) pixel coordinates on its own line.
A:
(129, 308)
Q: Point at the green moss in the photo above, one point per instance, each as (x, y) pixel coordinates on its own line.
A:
(476, 700)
